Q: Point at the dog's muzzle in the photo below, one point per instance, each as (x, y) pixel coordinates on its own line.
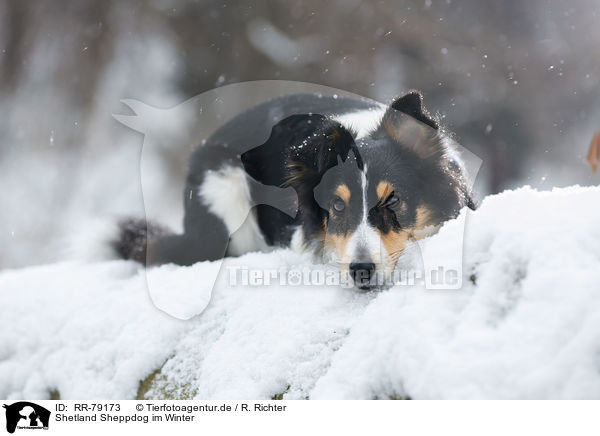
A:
(363, 274)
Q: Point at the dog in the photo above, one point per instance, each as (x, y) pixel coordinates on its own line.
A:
(363, 178)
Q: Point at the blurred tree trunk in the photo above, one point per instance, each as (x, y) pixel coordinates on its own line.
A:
(12, 61)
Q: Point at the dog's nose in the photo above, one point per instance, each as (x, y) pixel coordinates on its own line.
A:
(362, 273)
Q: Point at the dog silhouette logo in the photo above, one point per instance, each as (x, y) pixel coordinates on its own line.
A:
(176, 128)
(26, 415)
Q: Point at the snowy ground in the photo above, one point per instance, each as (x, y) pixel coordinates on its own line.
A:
(525, 325)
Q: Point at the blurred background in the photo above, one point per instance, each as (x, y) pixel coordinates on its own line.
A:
(516, 81)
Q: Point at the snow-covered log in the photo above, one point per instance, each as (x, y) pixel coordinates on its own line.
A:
(526, 323)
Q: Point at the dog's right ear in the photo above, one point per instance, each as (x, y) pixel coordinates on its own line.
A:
(300, 146)
(412, 127)
(411, 104)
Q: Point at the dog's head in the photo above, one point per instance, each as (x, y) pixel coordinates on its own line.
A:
(363, 197)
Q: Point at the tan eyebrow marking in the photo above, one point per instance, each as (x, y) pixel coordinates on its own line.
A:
(343, 192)
(384, 189)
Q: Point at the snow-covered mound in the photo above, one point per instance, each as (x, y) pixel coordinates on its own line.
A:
(525, 325)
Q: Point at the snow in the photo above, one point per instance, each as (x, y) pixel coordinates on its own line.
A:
(526, 323)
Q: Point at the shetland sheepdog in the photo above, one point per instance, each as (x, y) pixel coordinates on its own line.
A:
(352, 181)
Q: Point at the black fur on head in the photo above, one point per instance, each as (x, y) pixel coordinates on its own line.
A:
(299, 151)
(325, 143)
(301, 146)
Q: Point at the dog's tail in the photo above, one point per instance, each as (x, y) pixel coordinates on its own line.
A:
(134, 236)
(110, 239)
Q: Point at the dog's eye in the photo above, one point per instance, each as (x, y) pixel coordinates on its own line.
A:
(339, 205)
(392, 201)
